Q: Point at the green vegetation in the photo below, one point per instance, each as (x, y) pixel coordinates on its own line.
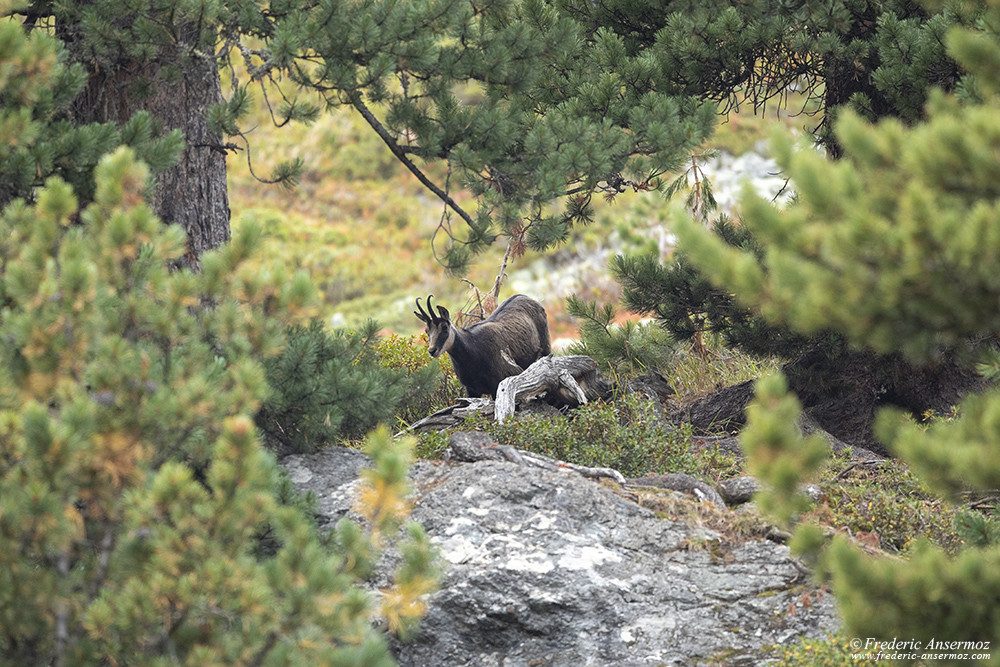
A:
(628, 435)
(629, 348)
(892, 507)
(409, 355)
(327, 387)
(901, 231)
(834, 651)
(37, 142)
(133, 481)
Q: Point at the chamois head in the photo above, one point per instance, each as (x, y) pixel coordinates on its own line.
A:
(440, 333)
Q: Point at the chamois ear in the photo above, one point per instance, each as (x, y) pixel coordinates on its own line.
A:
(443, 312)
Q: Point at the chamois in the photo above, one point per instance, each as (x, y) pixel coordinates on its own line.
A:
(515, 336)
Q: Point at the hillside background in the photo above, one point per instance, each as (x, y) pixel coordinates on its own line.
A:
(362, 225)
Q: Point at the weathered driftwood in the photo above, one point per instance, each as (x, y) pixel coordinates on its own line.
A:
(705, 493)
(471, 446)
(453, 415)
(574, 379)
(571, 381)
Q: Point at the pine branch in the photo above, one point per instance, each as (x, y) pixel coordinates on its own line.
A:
(400, 154)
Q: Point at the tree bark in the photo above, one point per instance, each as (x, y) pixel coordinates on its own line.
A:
(178, 87)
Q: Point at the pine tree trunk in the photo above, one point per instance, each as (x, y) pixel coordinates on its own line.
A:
(177, 89)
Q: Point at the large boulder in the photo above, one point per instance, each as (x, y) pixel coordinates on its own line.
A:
(549, 568)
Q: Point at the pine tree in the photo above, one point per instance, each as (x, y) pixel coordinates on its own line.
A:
(135, 489)
(36, 139)
(894, 248)
(550, 116)
(136, 495)
(881, 58)
(629, 348)
(330, 386)
(527, 109)
(534, 106)
(840, 385)
(878, 59)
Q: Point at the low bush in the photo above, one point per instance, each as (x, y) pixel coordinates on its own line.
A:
(328, 386)
(628, 435)
(438, 385)
(891, 504)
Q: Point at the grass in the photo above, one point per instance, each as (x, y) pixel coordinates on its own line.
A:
(887, 506)
(695, 374)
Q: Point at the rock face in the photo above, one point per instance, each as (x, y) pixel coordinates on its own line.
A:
(548, 568)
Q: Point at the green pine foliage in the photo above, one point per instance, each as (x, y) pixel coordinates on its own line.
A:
(135, 490)
(331, 386)
(894, 247)
(532, 106)
(881, 58)
(778, 453)
(36, 139)
(627, 349)
(518, 102)
(977, 529)
(689, 305)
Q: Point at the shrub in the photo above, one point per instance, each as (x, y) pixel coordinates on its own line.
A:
(628, 435)
(891, 503)
(330, 385)
(134, 487)
(439, 386)
(628, 348)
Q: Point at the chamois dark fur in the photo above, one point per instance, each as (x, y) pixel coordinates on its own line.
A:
(515, 336)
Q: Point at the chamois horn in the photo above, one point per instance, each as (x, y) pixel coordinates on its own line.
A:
(422, 316)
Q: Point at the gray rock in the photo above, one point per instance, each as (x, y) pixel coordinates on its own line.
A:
(332, 475)
(739, 490)
(549, 568)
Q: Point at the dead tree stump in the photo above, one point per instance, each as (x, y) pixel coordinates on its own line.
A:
(572, 380)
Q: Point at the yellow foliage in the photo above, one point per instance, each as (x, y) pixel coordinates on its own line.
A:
(76, 520)
(117, 456)
(39, 385)
(329, 604)
(406, 602)
(380, 501)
